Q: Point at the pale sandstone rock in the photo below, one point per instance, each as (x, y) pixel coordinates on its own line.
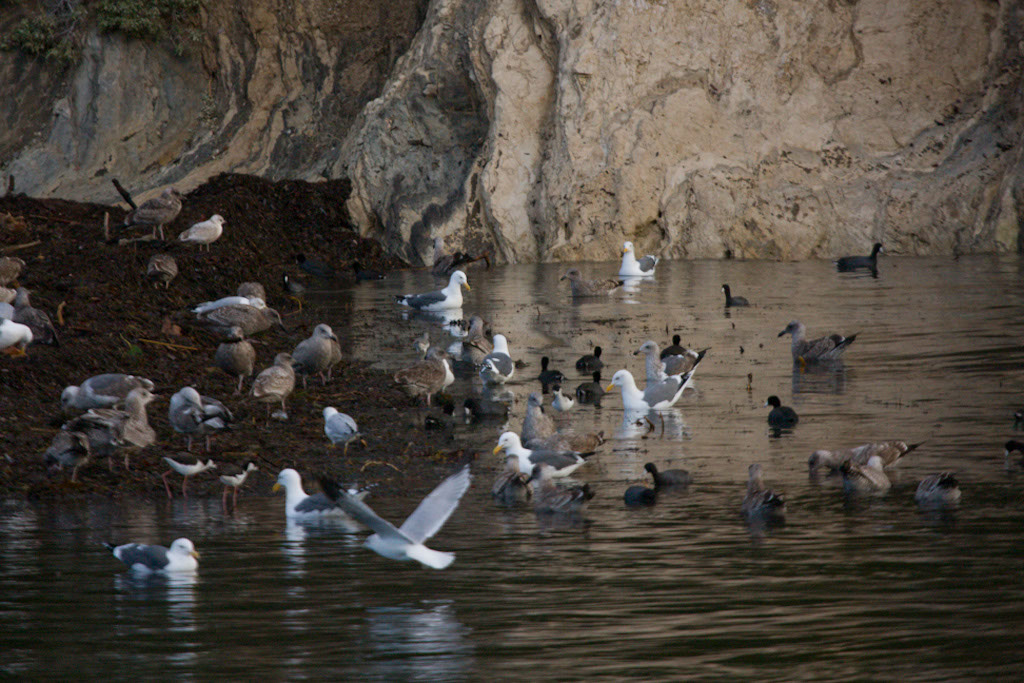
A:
(557, 129)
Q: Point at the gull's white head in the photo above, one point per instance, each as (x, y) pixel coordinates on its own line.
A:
(459, 278)
(183, 546)
(508, 441)
(627, 247)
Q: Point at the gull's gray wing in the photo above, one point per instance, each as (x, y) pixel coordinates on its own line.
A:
(668, 390)
(436, 508)
(423, 300)
(317, 502)
(557, 459)
(362, 512)
(647, 263)
(502, 362)
(153, 557)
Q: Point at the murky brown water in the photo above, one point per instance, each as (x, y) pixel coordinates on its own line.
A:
(683, 590)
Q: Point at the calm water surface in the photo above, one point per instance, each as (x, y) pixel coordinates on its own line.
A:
(683, 590)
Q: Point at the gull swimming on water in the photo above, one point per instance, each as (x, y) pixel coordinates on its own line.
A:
(549, 498)
(497, 367)
(563, 463)
(299, 505)
(440, 300)
(583, 288)
(631, 267)
(761, 503)
(204, 233)
(406, 542)
(816, 350)
(147, 559)
(656, 396)
(660, 366)
(890, 452)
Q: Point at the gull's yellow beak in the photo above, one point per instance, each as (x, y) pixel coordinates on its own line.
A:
(498, 449)
(194, 554)
(624, 250)
(468, 288)
(276, 487)
(609, 387)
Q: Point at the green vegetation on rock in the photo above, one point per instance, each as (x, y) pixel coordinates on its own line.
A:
(55, 31)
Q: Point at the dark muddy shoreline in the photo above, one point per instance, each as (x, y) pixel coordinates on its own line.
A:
(113, 320)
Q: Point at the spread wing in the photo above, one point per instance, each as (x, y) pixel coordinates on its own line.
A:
(436, 508)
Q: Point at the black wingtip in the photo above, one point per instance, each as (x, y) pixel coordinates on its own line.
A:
(109, 546)
(330, 487)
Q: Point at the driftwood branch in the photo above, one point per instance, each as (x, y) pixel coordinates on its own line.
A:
(124, 193)
(18, 247)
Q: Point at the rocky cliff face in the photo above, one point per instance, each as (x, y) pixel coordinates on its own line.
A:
(555, 129)
(267, 87)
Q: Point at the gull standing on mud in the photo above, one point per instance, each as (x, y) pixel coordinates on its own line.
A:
(275, 383)
(339, 427)
(314, 354)
(36, 320)
(10, 269)
(161, 269)
(426, 377)
(443, 299)
(190, 414)
(236, 357)
(251, 319)
(204, 233)
(101, 391)
(406, 542)
(156, 212)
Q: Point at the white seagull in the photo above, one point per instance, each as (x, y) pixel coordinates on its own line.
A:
(207, 232)
(147, 559)
(657, 395)
(299, 505)
(631, 267)
(339, 427)
(440, 300)
(498, 367)
(406, 542)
